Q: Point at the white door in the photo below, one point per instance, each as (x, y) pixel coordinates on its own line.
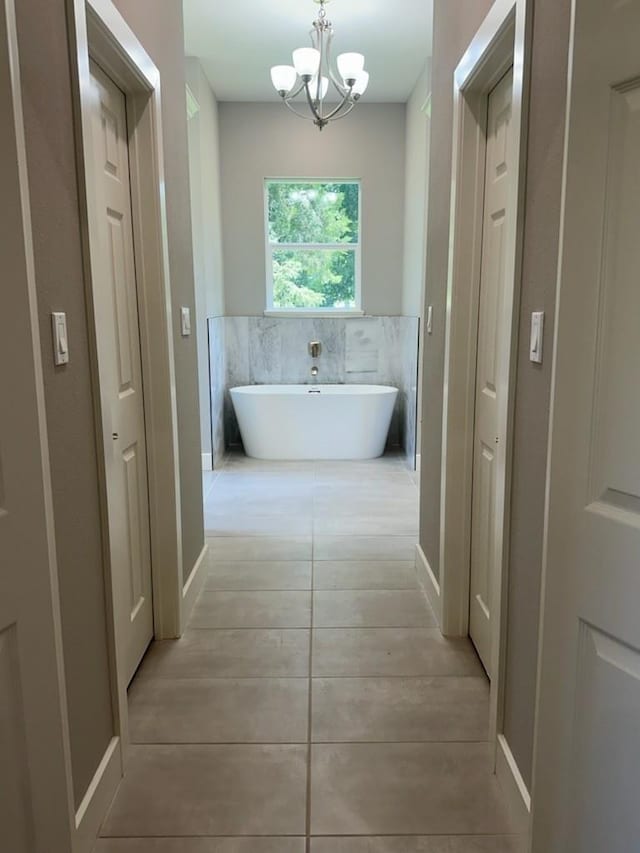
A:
(35, 803)
(587, 771)
(491, 348)
(118, 338)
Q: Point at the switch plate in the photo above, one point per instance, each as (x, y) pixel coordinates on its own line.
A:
(60, 338)
(185, 319)
(537, 337)
(430, 319)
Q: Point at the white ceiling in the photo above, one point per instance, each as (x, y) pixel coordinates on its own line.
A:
(237, 41)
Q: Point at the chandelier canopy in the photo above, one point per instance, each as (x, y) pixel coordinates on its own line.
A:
(312, 73)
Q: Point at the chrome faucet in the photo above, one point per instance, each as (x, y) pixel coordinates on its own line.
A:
(315, 348)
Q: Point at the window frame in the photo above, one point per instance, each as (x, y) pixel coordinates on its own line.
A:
(356, 247)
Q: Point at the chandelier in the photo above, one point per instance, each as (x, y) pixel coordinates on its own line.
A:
(312, 73)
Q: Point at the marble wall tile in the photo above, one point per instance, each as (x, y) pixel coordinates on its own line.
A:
(218, 386)
(332, 334)
(265, 350)
(363, 350)
(294, 355)
(237, 346)
(363, 346)
(409, 368)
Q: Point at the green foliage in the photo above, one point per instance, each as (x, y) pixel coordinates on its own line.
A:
(313, 213)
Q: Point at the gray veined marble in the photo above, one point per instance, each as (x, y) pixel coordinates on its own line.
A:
(218, 384)
(273, 350)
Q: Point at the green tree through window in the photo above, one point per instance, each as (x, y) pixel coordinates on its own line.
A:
(313, 244)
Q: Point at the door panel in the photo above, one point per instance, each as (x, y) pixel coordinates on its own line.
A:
(490, 350)
(608, 705)
(120, 364)
(587, 770)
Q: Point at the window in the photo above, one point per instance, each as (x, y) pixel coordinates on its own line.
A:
(313, 245)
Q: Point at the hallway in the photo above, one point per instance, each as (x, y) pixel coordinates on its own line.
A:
(312, 698)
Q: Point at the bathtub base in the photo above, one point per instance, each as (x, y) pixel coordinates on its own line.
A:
(326, 422)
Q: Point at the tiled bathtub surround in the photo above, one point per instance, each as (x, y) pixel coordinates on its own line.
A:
(218, 380)
(273, 350)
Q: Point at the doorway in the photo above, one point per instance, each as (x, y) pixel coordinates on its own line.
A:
(121, 382)
(488, 152)
(493, 342)
(128, 293)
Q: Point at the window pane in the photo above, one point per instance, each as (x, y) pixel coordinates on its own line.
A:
(314, 278)
(313, 212)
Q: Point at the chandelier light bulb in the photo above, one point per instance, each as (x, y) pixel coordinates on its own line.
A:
(324, 88)
(283, 77)
(362, 81)
(306, 61)
(350, 66)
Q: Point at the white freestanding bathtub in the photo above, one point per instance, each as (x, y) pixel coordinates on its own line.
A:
(314, 421)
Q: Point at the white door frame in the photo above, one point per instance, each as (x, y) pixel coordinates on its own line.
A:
(502, 41)
(100, 32)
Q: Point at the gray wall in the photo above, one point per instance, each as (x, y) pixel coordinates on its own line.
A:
(54, 196)
(161, 33)
(206, 218)
(544, 176)
(261, 141)
(415, 196)
(453, 29)
(454, 25)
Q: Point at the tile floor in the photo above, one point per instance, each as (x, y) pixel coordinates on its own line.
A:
(312, 706)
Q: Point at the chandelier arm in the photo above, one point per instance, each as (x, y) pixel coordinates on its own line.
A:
(345, 113)
(289, 96)
(295, 111)
(312, 106)
(321, 49)
(338, 86)
(339, 107)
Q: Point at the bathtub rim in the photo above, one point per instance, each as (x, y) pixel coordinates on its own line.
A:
(300, 390)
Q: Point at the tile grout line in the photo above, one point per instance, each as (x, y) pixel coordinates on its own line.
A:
(310, 681)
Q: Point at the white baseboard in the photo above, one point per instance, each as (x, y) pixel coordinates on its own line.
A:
(513, 785)
(207, 461)
(428, 583)
(95, 803)
(191, 589)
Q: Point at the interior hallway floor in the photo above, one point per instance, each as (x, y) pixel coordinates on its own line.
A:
(312, 706)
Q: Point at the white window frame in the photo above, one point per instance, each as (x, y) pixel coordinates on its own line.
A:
(274, 311)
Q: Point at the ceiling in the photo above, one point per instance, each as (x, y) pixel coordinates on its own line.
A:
(238, 41)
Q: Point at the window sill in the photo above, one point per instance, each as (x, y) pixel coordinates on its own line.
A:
(303, 312)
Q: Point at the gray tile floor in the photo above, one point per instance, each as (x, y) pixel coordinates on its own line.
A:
(312, 706)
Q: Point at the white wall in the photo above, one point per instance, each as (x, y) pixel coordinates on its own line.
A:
(415, 199)
(206, 216)
(262, 140)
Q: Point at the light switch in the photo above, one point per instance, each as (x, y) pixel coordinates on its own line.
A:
(537, 335)
(60, 338)
(185, 316)
(430, 319)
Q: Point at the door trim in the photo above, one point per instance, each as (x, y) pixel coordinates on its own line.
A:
(98, 31)
(502, 41)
